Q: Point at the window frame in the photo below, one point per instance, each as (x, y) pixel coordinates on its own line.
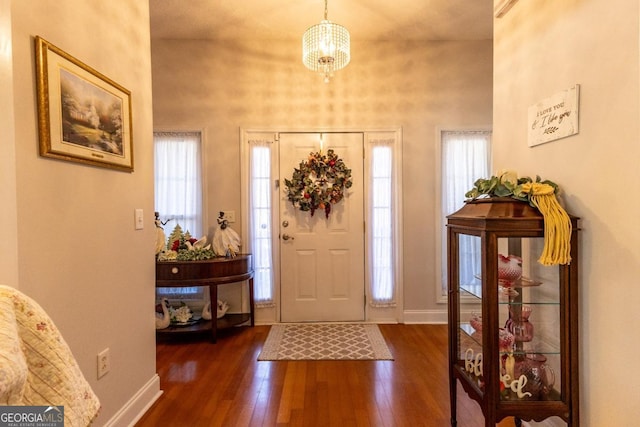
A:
(200, 296)
(440, 221)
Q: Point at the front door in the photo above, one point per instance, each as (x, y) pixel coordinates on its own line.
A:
(322, 259)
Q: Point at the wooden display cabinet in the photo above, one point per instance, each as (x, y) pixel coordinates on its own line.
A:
(513, 341)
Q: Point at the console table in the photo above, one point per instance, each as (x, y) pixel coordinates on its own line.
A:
(211, 273)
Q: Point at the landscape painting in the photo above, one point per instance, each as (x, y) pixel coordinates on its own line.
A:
(83, 116)
(91, 116)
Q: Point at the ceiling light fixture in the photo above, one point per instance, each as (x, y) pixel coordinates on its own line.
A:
(326, 47)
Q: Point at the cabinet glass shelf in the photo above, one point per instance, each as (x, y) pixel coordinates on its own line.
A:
(507, 298)
(535, 346)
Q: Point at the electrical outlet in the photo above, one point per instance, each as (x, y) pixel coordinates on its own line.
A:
(104, 363)
(230, 216)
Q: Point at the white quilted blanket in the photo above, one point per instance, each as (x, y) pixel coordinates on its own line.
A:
(36, 364)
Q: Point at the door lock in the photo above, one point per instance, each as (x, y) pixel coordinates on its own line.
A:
(285, 223)
(287, 237)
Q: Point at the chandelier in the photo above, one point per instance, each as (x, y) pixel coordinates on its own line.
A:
(325, 47)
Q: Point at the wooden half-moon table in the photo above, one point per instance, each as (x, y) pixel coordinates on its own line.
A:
(211, 273)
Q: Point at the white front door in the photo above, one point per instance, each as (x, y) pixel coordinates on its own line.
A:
(322, 259)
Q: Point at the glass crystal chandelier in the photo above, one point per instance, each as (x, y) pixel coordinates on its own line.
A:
(326, 47)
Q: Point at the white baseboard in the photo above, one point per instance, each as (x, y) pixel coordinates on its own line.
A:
(436, 317)
(136, 407)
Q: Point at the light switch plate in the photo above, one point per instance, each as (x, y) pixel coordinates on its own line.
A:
(230, 216)
(139, 219)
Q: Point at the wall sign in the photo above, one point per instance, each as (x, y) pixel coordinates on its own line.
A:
(554, 117)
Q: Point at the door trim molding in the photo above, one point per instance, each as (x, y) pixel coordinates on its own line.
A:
(268, 315)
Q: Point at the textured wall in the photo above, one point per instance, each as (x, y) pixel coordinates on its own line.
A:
(542, 48)
(8, 213)
(222, 86)
(78, 253)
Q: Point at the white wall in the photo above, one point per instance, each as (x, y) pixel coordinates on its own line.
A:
(8, 213)
(221, 86)
(78, 253)
(543, 47)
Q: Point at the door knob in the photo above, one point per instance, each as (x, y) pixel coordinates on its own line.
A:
(287, 237)
(285, 223)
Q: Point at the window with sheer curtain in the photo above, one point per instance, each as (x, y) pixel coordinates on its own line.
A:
(465, 158)
(178, 191)
(381, 202)
(260, 220)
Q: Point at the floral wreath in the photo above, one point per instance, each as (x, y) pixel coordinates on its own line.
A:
(318, 182)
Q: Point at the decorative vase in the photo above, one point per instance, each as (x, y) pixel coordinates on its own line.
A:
(540, 376)
(476, 321)
(518, 323)
(509, 269)
(505, 340)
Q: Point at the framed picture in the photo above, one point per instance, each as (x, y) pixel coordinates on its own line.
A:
(502, 7)
(83, 116)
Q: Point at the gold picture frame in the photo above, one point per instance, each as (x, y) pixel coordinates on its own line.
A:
(502, 7)
(83, 116)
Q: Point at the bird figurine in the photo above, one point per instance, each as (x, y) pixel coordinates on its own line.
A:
(509, 269)
(206, 311)
(163, 319)
(220, 312)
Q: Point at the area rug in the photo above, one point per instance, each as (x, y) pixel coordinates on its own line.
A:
(325, 341)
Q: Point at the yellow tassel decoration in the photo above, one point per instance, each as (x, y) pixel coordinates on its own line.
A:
(557, 224)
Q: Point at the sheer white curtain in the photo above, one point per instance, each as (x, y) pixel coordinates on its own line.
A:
(381, 202)
(465, 158)
(260, 218)
(178, 191)
(178, 180)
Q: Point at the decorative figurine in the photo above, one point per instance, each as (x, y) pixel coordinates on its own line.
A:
(163, 319)
(221, 310)
(160, 236)
(226, 242)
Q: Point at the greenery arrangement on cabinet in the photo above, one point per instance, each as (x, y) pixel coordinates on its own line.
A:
(508, 184)
(180, 246)
(542, 196)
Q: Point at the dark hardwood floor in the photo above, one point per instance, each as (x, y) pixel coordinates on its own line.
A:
(223, 384)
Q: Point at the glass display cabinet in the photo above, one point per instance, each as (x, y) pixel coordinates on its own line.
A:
(513, 323)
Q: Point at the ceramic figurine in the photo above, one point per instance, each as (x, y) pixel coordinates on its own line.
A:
(160, 236)
(163, 319)
(226, 241)
(221, 310)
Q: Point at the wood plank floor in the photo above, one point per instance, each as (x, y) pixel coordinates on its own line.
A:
(223, 384)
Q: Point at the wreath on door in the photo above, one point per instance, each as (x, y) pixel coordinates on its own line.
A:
(318, 182)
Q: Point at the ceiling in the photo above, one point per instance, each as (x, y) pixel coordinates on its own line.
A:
(372, 20)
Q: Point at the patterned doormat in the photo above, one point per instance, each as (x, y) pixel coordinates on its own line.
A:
(325, 341)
